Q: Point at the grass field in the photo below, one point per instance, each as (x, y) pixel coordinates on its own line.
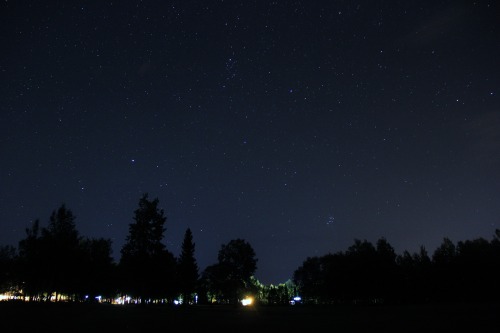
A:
(22, 317)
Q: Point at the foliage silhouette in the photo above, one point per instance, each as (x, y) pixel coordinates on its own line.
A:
(465, 272)
(231, 277)
(147, 268)
(55, 262)
(187, 268)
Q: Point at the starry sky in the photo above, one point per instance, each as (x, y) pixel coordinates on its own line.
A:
(298, 126)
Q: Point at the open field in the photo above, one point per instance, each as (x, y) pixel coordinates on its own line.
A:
(118, 318)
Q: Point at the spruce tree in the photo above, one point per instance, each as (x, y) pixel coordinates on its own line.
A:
(187, 268)
(147, 267)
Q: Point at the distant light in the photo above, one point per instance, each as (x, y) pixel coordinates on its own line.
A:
(247, 301)
(297, 298)
(122, 300)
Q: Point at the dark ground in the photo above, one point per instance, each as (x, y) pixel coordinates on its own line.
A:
(22, 317)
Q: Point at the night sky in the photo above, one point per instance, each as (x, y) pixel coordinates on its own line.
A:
(298, 126)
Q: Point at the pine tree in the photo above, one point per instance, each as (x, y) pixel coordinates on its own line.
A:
(187, 268)
(61, 252)
(147, 267)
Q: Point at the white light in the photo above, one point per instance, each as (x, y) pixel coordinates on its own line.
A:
(247, 301)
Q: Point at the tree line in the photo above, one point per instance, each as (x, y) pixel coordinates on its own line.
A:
(468, 271)
(56, 263)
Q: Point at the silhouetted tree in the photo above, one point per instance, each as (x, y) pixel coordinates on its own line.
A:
(386, 275)
(422, 276)
(363, 273)
(212, 283)
(309, 279)
(477, 269)
(231, 277)
(9, 281)
(414, 284)
(495, 264)
(335, 280)
(445, 254)
(239, 262)
(99, 269)
(361, 270)
(61, 253)
(187, 268)
(147, 267)
(31, 262)
(444, 271)
(280, 294)
(56, 260)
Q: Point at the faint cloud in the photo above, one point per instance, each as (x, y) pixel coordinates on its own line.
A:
(440, 25)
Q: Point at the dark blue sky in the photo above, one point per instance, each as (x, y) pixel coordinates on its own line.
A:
(298, 126)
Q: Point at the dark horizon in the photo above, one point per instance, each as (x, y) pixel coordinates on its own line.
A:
(56, 264)
(495, 237)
